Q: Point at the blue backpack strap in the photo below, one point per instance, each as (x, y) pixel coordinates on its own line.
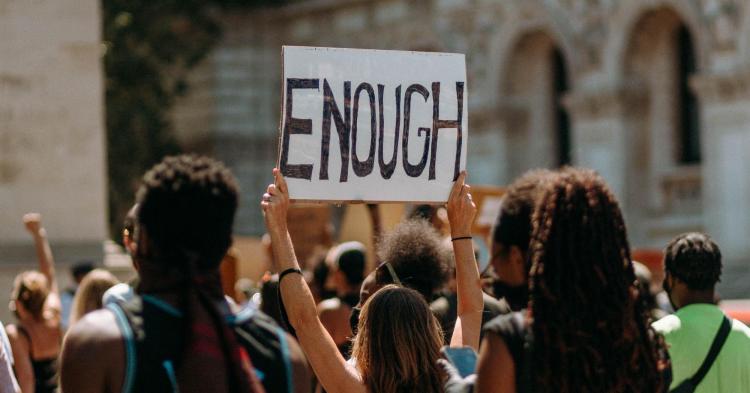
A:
(129, 339)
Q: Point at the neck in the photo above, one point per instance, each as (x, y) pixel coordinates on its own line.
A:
(167, 282)
(698, 297)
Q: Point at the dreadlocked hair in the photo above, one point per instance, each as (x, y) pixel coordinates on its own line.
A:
(590, 334)
(186, 204)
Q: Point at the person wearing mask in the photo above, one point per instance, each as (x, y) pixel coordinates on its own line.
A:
(179, 333)
(398, 340)
(692, 266)
(35, 300)
(585, 329)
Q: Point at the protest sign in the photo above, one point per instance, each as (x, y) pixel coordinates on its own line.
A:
(372, 125)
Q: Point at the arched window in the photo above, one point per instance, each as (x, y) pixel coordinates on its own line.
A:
(562, 120)
(689, 121)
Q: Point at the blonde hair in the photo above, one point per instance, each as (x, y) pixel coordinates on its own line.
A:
(31, 289)
(89, 294)
(398, 343)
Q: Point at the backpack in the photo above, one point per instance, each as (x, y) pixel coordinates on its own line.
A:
(152, 331)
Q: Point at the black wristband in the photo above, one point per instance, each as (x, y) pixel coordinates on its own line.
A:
(287, 271)
(453, 239)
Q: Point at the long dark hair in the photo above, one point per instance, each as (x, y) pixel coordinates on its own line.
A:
(590, 332)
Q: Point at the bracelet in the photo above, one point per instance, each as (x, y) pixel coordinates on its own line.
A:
(287, 271)
(453, 239)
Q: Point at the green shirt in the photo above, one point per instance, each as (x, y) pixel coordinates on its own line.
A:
(689, 334)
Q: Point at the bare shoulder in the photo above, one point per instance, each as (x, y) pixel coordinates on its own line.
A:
(93, 355)
(97, 327)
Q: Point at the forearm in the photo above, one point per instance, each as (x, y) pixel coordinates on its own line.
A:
(470, 303)
(44, 257)
(295, 294)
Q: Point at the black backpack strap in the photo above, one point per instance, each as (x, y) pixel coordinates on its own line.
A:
(691, 383)
(713, 353)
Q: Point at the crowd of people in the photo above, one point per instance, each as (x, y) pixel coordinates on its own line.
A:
(562, 306)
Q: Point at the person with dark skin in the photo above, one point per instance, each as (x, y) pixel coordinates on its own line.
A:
(578, 234)
(585, 329)
(35, 340)
(509, 246)
(179, 333)
(692, 266)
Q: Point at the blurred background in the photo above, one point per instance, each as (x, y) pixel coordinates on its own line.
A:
(654, 94)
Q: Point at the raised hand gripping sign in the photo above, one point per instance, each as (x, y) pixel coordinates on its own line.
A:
(372, 125)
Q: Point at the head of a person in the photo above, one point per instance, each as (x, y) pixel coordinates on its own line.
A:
(80, 270)
(590, 331)
(512, 229)
(90, 292)
(30, 291)
(414, 252)
(398, 343)
(692, 266)
(347, 263)
(186, 207)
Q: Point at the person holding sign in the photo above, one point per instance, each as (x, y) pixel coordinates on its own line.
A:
(398, 340)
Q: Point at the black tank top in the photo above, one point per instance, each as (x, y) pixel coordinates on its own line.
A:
(45, 370)
(153, 344)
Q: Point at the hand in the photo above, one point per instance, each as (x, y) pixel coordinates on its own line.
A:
(275, 203)
(33, 222)
(461, 208)
(454, 383)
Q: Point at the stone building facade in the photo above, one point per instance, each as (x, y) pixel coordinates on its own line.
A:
(654, 94)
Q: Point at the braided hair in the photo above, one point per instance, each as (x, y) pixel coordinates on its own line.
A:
(590, 333)
(186, 207)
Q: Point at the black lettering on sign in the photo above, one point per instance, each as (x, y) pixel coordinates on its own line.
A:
(386, 170)
(295, 126)
(438, 123)
(343, 128)
(414, 170)
(363, 168)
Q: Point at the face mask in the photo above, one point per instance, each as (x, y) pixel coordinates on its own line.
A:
(516, 296)
(354, 319)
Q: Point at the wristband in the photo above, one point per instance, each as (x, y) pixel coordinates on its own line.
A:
(287, 271)
(453, 239)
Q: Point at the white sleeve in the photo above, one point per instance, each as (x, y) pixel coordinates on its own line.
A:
(8, 383)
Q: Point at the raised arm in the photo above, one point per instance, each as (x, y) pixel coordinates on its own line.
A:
(329, 366)
(461, 212)
(33, 222)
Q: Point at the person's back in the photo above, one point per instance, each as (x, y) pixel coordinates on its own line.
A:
(689, 334)
(693, 266)
(178, 332)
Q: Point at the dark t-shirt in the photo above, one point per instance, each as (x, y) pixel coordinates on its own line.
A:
(445, 309)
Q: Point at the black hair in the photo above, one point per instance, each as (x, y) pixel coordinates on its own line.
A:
(414, 251)
(186, 205)
(81, 269)
(351, 261)
(590, 331)
(695, 259)
(513, 224)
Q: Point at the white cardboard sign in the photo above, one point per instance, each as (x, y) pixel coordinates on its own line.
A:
(372, 125)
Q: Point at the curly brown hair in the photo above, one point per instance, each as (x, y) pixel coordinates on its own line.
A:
(415, 251)
(590, 332)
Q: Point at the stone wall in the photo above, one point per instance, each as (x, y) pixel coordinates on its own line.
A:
(621, 64)
(52, 148)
